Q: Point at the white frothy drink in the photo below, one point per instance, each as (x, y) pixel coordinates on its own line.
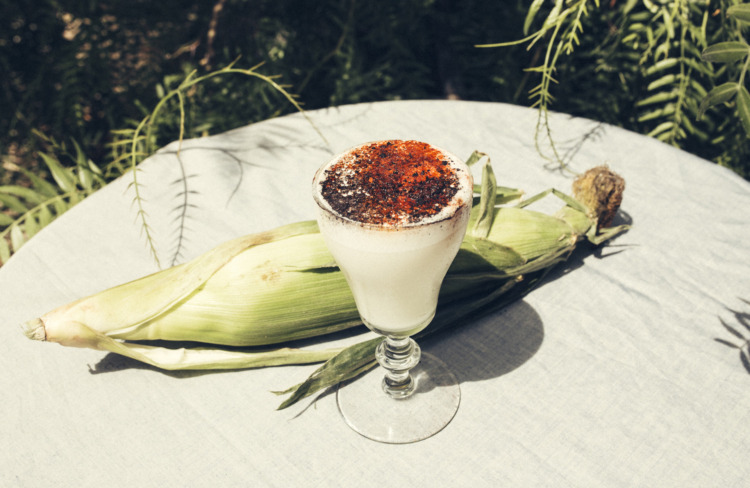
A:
(393, 215)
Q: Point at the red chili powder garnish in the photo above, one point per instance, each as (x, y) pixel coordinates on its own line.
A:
(390, 182)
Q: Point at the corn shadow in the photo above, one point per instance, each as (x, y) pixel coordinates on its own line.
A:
(491, 346)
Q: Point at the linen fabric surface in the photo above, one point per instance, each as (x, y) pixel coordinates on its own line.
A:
(616, 372)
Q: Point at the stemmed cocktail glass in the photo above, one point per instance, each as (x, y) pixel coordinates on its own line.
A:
(393, 215)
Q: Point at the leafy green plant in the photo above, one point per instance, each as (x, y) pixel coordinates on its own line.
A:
(30, 208)
(640, 64)
(560, 30)
(92, 72)
(737, 53)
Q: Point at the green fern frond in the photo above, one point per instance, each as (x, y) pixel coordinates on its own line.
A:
(561, 30)
(131, 147)
(650, 53)
(670, 41)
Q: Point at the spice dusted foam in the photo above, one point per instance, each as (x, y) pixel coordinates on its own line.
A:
(392, 183)
(393, 214)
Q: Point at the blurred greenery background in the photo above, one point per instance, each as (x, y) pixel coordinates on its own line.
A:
(76, 72)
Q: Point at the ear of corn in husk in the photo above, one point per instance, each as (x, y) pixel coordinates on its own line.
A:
(259, 292)
(238, 294)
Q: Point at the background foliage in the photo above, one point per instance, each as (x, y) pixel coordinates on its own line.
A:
(78, 73)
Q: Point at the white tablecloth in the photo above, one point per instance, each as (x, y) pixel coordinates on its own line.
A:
(608, 375)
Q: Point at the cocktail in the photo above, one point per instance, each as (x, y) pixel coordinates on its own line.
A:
(393, 215)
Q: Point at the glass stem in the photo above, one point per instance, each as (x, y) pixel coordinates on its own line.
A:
(398, 355)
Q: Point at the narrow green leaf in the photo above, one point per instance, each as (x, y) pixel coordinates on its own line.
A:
(662, 65)
(45, 216)
(699, 90)
(649, 38)
(12, 203)
(661, 128)
(740, 12)
(651, 6)
(63, 179)
(32, 226)
(16, 237)
(726, 52)
(60, 206)
(75, 197)
(668, 23)
(42, 186)
(692, 130)
(743, 108)
(506, 195)
(570, 201)
(662, 50)
(85, 176)
(349, 363)
(663, 81)
(528, 201)
(720, 94)
(475, 157)
(5, 220)
(503, 194)
(4, 251)
(629, 6)
(533, 9)
(486, 212)
(555, 14)
(658, 98)
(664, 111)
(80, 156)
(22, 192)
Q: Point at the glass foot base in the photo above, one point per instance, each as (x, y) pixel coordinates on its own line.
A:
(374, 414)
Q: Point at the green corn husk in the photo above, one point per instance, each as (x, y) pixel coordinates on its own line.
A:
(282, 285)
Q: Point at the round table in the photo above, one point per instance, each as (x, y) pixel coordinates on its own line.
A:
(618, 371)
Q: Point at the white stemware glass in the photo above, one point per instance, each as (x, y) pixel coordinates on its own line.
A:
(393, 215)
